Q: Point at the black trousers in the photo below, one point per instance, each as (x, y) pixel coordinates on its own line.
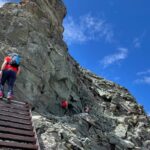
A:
(10, 77)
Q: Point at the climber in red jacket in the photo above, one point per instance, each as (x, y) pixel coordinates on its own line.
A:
(64, 104)
(9, 70)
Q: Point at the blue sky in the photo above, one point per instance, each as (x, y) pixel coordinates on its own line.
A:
(111, 38)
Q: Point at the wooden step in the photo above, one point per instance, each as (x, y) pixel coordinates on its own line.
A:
(16, 131)
(14, 115)
(18, 145)
(15, 120)
(13, 102)
(17, 138)
(14, 107)
(14, 111)
(15, 125)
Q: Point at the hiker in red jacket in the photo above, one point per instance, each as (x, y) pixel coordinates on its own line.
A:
(64, 104)
(10, 69)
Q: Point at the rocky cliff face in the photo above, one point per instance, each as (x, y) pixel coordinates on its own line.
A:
(101, 115)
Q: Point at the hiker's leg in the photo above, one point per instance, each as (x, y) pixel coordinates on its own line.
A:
(4, 78)
(11, 81)
(2, 82)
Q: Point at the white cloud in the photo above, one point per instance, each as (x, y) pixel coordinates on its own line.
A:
(143, 72)
(2, 2)
(143, 77)
(87, 28)
(121, 54)
(137, 43)
(143, 80)
(73, 32)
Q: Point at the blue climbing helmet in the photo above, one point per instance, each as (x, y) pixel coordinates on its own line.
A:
(15, 59)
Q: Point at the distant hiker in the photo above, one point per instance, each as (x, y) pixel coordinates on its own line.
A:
(86, 109)
(64, 104)
(10, 69)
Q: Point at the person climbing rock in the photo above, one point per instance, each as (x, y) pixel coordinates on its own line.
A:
(86, 109)
(10, 69)
(64, 104)
(70, 108)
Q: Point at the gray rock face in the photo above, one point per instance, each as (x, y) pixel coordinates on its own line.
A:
(101, 114)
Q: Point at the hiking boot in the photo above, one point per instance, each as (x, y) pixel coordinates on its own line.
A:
(9, 96)
(1, 94)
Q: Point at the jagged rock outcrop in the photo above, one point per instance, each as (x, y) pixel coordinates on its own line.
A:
(101, 116)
